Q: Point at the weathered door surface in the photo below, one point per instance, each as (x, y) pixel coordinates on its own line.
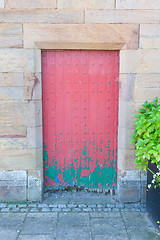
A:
(80, 118)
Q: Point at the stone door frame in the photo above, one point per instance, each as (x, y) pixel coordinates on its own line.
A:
(122, 37)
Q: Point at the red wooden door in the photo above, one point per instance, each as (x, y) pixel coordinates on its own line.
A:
(80, 118)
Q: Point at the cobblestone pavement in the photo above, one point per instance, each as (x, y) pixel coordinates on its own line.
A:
(71, 216)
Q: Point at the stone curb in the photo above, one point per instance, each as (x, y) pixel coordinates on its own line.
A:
(71, 207)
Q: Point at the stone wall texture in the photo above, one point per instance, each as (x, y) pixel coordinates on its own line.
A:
(25, 28)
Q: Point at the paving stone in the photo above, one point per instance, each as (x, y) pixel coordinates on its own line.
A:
(76, 210)
(46, 209)
(82, 205)
(15, 210)
(143, 210)
(22, 205)
(99, 209)
(12, 205)
(62, 205)
(92, 205)
(39, 224)
(9, 232)
(35, 237)
(100, 205)
(42, 205)
(24, 210)
(107, 209)
(53, 205)
(115, 210)
(2, 205)
(111, 205)
(11, 219)
(120, 205)
(135, 219)
(71, 205)
(56, 209)
(139, 233)
(32, 205)
(34, 210)
(42, 215)
(66, 210)
(87, 209)
(5, 210)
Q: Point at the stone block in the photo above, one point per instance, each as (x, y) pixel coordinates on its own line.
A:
(35, 183)
(129, 175)
(32, 86)
(30, 4)
(11, 35)
(146, 80)
(150, 36)
(11, 80)
(149, 61)
(20, 159)
(20, 113)
(126, 159)
(129, 191)
(143, 61)
(143, 94)
(41, 16)
(124, 138)
(1, 3)
(38, 62)
(126, 86)
(134, 4)
(122, 16)
(83, 4)
(143, 191)
(34, 136)
(149, 42)
(16, 60)
(144, 176)
(82, 36)
(149, 30)
(127, 110)
(13, 186)
(12, 132)
(129, 61)
(13, 143)
(11, 93)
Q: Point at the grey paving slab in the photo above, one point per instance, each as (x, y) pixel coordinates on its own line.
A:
(40, 223)
(36, 237)
(111, 237)
(11, 219)
(73, 226)
(9, 232)
(140, 233)
(42, 215)
(73, 219)
(104, 228)
(135, 219)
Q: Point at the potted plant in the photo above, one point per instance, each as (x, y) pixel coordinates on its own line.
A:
(146, 137)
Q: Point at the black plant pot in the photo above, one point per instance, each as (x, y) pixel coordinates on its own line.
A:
(153, 195)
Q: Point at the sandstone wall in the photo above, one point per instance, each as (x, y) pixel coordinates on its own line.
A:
(23, 24)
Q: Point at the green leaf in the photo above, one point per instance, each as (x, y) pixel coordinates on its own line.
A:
(132, 135)
(132, 141)
(136, 160)
(145, 168)
(142, 110)
(139, 166)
